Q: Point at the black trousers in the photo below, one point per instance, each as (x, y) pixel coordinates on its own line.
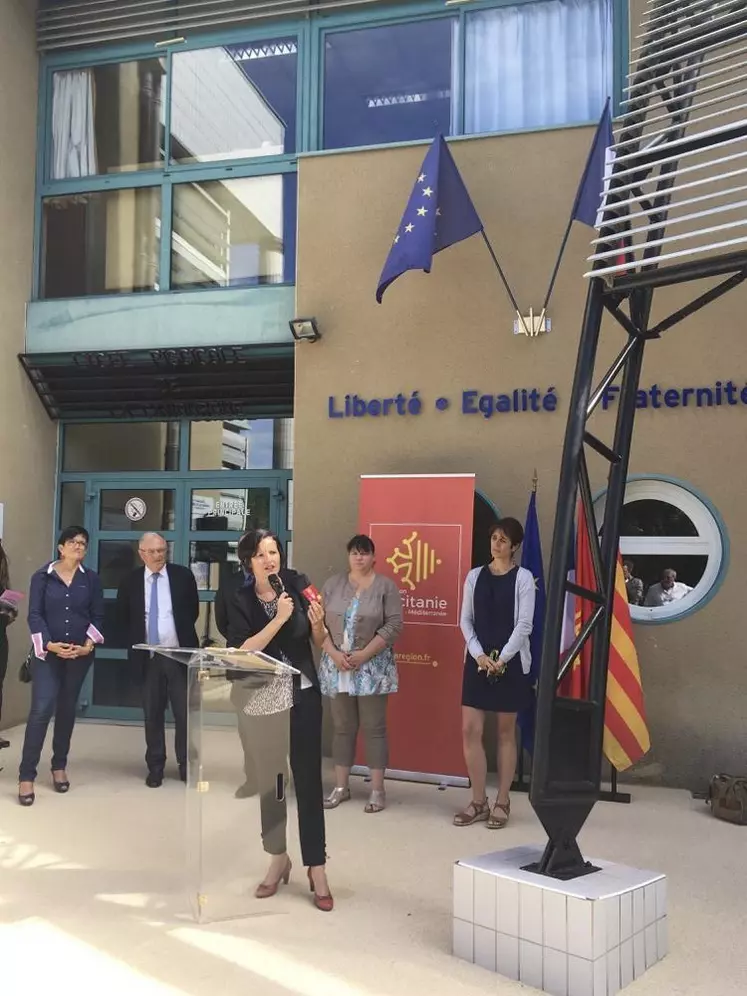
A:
(164, 682)
(306, 765)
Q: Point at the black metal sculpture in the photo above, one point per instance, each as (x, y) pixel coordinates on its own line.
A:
(679, 156)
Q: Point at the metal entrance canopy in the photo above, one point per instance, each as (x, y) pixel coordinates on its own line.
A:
(201, 382)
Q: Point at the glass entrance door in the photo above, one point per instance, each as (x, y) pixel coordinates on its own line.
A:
(201, 516)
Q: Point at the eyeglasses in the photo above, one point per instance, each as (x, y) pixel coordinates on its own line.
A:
(75, 542)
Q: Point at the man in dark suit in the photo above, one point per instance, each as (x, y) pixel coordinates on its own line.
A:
(158, 604)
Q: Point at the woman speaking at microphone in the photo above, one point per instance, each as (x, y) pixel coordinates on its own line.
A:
(271, 613)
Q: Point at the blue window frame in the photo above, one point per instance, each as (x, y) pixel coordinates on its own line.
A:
(386, 84)
(408, 68)
(235, 101)
(170, 172)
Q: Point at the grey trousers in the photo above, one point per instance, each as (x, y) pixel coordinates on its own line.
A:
(267, 743)
(351, 713)
(264, 740)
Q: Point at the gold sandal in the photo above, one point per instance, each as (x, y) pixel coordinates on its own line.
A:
(476, 812)
(496, 822)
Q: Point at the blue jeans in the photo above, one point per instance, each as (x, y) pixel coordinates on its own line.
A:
(55, 687)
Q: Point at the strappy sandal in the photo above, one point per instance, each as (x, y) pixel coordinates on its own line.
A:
(496, 822)
(476, 812)
(376, 802)
(335, 797)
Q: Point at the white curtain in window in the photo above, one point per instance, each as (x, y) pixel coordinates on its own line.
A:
(73, 135)
(537, 65)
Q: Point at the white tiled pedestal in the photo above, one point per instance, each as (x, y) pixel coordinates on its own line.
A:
(588, 937)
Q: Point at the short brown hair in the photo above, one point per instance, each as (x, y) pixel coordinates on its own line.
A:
(512, 529)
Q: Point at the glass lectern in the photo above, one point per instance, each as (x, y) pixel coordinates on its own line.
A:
(236, 784)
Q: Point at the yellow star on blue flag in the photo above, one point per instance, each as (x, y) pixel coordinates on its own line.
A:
(439, 213)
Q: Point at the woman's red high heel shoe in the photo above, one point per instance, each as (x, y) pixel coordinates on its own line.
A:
(324, 903)
(267, 889)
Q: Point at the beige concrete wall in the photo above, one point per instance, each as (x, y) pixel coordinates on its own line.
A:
(450, 331)
(27, 436)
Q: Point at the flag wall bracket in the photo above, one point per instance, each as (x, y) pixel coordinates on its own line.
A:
(532, 325)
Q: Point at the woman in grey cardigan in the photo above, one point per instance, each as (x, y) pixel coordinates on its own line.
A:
(357, 670)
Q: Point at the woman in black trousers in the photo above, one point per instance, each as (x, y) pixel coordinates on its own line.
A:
(257, 617)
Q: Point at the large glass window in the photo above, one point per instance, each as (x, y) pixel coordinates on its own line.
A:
(115, 446)
(537, 65)
(232, 109)
(233, 233)
(107, 119)
(672, 547)
(242, 444)
(234, 101)
(389, 84)
(104, 242)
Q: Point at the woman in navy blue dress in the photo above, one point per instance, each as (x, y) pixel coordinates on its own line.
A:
(497, 617)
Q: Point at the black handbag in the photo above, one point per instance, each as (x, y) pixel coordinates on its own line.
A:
(25, 674)
(727, 795)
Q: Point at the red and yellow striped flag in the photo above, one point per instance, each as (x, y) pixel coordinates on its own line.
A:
(626, 736)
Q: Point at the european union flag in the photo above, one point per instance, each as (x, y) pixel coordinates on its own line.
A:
(531, 558)
(589, 197)
(439, 213)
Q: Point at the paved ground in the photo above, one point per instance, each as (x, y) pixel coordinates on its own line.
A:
(93, 889)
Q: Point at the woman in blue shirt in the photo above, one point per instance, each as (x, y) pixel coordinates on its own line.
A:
(66, 612)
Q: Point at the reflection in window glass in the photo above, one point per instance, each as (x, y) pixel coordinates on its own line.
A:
(650, 517)
(672, 549)
(115, 636)
(118, 558)
(72, 504)
(101, 243)
(107, 119)
(117, 683)
(535, 65)
(388, 84)
(212, 562)
(234, 102)
(666, 578)
(242, 444)
(234, 233)
(111, 446)
(137, 510)
(232, 509)
(207, 632)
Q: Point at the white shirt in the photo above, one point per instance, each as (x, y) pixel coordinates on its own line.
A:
(658, 595)
(166, 627)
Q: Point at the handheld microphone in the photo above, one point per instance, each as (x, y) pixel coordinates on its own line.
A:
(276, 584)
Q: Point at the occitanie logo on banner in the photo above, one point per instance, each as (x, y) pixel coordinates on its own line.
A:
(424, 561)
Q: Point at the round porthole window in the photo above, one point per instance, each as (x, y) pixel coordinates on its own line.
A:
(673, 548)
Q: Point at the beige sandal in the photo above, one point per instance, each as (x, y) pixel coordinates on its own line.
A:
(476, 812)
(496, 822)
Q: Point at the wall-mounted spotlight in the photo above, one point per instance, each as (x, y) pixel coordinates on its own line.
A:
(305, 329)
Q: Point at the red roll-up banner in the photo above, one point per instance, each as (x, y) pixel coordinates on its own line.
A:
(421, 525)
